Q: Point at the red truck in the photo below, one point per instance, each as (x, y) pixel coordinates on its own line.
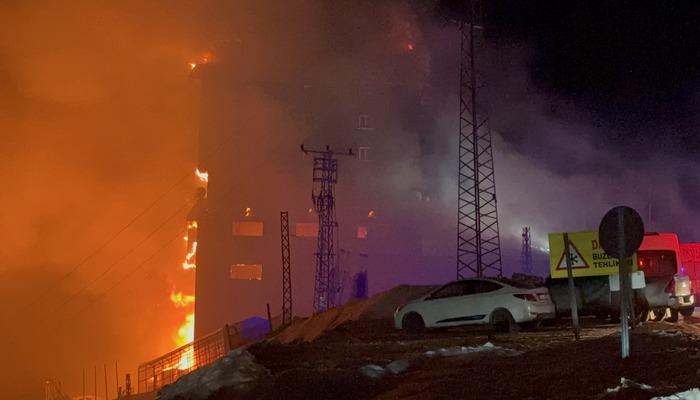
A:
(668, 277)
(690, 263)
(668, 283)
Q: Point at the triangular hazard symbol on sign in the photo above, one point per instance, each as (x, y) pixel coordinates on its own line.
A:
(577, 261)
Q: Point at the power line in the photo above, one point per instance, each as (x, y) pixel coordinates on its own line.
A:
(123, 279)
(133, 271)
(107, 243)
(214, 153)
(125, 255)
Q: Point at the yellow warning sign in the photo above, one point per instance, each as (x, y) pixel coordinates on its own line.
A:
(586, 255)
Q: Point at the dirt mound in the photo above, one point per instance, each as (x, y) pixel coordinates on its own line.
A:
(380, 306)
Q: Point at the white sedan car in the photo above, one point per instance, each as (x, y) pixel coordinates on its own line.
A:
(476, 301)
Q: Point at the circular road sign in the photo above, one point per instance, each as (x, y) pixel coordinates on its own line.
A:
(633, 228)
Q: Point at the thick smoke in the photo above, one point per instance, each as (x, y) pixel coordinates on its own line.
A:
(99, 119)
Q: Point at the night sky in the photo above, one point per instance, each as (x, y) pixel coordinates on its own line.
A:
(629, 67)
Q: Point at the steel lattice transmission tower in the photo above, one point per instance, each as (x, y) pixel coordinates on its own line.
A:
(526, 254)
(325, 176)
(478, 243)
(286, 269)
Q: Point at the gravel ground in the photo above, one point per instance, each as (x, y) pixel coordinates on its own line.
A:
(548, 364)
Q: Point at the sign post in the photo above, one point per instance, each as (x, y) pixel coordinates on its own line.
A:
(625, 287)
(572, 288)
(621, 233)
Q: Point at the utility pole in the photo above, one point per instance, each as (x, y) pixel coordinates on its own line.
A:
(325, 176)
(526, 254)
(478, 243)
(286, 269)
(106, 391)
(127, 384)
(116, 375)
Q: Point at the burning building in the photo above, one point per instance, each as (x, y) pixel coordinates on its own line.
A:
(387, 199)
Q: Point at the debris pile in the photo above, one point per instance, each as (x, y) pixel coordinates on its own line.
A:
(380, 306)
(236, 372)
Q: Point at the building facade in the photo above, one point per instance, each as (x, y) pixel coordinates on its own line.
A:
(392, 222)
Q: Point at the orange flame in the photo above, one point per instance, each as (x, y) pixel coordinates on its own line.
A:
(202, 175)
(181, 300)
(185, 334)
(188, 264)
(186, 359)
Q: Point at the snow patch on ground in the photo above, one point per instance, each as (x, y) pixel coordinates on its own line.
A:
(372, 371)
(375, 371)
(237, 370)
(669, 334)
(463, 350)
(628, 383)
(692, 394)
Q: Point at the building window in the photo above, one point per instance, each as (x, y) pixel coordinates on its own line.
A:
(306, 229)
(247, 272)
(362, 232)
(364, 123)
(248, 228)
(364, 91)
(363, 153)
(425, 96)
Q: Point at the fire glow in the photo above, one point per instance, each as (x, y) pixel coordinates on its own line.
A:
(202, 175)
(181, 300)
(202, 60)
(189, 258)
(186, 359)
(185, 334)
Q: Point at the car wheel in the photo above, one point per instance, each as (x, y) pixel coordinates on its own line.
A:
(641, 313)
(502, 321)
(687, 311)
(413, 323)
(673, 317)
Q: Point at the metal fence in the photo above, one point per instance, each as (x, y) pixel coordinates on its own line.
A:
(168, 368)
